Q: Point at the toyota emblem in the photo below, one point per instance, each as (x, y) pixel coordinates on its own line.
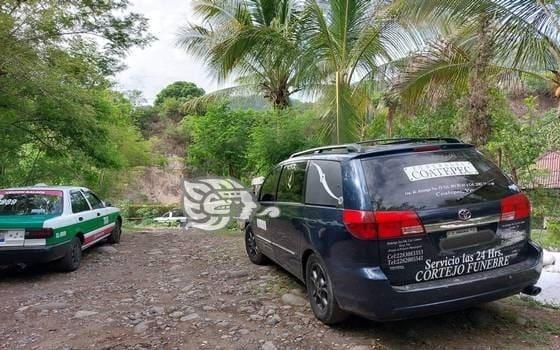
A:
(465, 214)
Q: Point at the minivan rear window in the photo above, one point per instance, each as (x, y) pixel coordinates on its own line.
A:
(426, 180)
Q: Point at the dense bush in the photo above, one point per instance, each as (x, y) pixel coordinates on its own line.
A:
(278, 134)
(144, 211)
(553, 227)
(245, 143)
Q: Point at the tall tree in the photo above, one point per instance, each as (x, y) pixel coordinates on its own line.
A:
(489, 40)
(181, 90)
(55, 107)
(349, 40)
(254, 42)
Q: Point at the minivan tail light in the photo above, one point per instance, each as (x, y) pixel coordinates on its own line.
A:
(38, 233)
(394, 224)
(382, 224)
(515, 207)
(360, 223)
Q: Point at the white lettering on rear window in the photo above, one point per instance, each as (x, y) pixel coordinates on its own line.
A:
(435, 170)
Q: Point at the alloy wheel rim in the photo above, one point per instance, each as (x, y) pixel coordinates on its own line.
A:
(319, 288)
(252, 244)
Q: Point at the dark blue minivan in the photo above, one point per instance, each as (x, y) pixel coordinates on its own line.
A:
(393, 229)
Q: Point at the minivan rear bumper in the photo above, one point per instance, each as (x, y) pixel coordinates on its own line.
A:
(368, 293)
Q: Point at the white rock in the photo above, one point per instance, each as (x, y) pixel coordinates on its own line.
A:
(292, 299)
(189, 317)
(141, 327)
(176, 314)
(548, 258)
(269, 346)
(107, 249)
(84, 314)
(50, 306)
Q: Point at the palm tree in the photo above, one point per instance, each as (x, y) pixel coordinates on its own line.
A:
(349, 40)
(255, 42)
(488, 38)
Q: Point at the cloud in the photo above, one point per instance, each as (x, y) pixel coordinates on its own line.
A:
(151, 69)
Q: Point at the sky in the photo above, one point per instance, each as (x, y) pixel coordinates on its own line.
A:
(154, 67)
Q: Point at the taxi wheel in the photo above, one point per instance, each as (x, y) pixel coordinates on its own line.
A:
(71, 261)
(115, 236)
(321, 294)
(253, 252)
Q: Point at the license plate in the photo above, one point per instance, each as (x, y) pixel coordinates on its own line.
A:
(11, 237)
(462, 232)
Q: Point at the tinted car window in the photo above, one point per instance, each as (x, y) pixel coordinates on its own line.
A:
(328, 193)
(433, 179)
(290, 186)
(177, 213)
(95, 202)
(79, 203)
(268, 189)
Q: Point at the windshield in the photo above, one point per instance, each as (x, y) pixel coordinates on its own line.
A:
(14, 202)
(433, 180)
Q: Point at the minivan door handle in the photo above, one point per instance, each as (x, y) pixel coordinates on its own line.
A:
(80, 219)
(98, 214)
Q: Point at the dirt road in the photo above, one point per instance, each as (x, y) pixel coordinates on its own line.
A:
(189, 290)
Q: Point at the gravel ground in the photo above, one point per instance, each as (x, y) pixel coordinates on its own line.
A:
(170, 289)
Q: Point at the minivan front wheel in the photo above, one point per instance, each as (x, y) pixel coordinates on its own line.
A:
(253, 252)
(321, 293)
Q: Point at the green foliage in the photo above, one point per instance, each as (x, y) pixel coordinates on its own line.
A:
(278, 134)
(180, 91)
(553, 228)
(516, 143)
(228, 142)
(219, 141)
(144, 211)
(441, 121)
(60, 122)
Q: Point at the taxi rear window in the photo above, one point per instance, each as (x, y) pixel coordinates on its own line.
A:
(30, 202)
(427, 180)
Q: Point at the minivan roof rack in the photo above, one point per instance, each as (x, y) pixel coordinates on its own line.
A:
(349, 148)
(410, 139)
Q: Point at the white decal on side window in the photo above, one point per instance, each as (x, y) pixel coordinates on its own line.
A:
(435, 170)
(323, 181)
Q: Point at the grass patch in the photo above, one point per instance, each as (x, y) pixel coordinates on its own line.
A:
(278, 284)
(546, 239)
(229, 232)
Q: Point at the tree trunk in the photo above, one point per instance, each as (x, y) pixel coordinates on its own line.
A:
(477, 102)
(390, 118)
(279, 95)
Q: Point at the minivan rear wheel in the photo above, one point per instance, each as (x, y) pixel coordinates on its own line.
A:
(321, 293)
(253, 252)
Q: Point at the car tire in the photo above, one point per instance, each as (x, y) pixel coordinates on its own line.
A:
(253, 251)
(320, 292)
(73, 258)
(115, 236)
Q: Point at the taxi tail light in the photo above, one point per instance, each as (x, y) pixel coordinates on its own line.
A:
(39, 233)
(382, 225)
(515, 207)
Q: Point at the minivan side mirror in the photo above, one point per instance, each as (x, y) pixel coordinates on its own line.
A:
(108, 204)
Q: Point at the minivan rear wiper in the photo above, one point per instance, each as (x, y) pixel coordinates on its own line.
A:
(491, 181)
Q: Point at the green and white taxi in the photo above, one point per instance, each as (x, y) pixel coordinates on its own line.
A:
(43, 224)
